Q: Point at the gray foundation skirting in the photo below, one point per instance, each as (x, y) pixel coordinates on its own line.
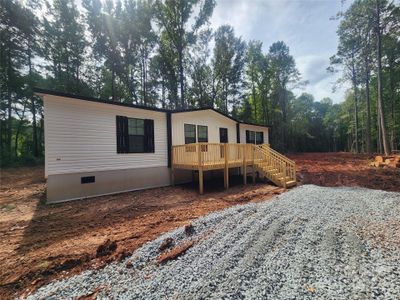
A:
(64, 187)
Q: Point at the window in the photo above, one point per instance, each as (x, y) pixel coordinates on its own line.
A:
(254, 137)
(223, 135)
(190, 133)
(135, 135)
(250, 137)
(202, 132)
(259, 138)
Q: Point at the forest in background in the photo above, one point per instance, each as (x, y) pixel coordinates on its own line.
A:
(164, 53)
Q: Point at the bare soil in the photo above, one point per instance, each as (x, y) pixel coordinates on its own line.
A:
(344, 169)
(40, 242)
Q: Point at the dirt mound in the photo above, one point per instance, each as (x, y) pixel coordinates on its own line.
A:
(166, 244)
(175, 252)
(107, 248)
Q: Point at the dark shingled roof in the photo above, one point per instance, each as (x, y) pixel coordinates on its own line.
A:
(40, 91)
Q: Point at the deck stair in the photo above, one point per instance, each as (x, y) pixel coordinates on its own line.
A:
(203, 157)
(274, 166)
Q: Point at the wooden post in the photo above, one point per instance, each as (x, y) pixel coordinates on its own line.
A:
(226, 169)
(284, 175)
(254, 170)
(200, 168)
(172, 167)
(244, 165)
(201, 182)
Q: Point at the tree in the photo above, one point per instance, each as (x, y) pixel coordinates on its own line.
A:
(104, 25)
(254, 58)
(283, 73)
(228, 64)
(173, 17)
(351, 34)
(200, 71)
(16, 29)
(385, 17)
(362, 28)
(64, 44)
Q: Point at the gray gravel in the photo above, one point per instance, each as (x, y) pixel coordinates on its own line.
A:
(311, 242)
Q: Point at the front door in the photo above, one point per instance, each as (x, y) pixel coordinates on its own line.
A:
(223, 135)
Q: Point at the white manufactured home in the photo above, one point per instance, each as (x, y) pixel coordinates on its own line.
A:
(95, 147)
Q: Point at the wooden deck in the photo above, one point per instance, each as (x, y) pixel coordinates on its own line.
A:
(212, 156)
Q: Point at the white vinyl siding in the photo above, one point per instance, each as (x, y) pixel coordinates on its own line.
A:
(80, 136)
(244, 127)
(209, 118)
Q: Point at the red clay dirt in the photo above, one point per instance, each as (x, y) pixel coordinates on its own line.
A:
(41, 242)
(344, 169)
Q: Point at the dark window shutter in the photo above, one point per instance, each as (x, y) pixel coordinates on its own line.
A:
(125, 135)
(262, 137)
(120, 136)
(247, 136)
(149, 135)
(237, 133)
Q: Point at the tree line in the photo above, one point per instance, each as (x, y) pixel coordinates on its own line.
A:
(164, 53)
(368, 56)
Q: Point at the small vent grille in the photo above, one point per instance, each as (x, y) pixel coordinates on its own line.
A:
(87, 179)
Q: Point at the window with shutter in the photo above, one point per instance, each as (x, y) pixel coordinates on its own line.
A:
(134, 135)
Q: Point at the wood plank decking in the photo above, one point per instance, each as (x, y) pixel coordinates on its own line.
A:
(212, 156)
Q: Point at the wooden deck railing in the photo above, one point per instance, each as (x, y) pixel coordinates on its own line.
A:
(211, 156)
(280, 162)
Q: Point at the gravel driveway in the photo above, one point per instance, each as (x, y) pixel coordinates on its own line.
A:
(311, 242)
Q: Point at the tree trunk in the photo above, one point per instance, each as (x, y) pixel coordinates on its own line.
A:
(283, 108)
(113, 82)
(354, 79)
(17, 132)
(33, 107)
(379, 139)
(163, 104)
(181, 77)
(368, 100)
(386, 148)
(392, 107)
(41, 133)
(9, 105)
(254, 100)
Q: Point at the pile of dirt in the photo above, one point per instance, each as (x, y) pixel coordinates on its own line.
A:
(107, 248)
(174, 252)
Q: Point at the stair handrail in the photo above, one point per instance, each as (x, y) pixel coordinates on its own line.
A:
(281, 160)
(277, 153)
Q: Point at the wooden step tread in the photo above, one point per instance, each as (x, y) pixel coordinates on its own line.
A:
(290, 183)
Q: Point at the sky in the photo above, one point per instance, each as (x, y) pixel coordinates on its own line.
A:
(304, 25)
